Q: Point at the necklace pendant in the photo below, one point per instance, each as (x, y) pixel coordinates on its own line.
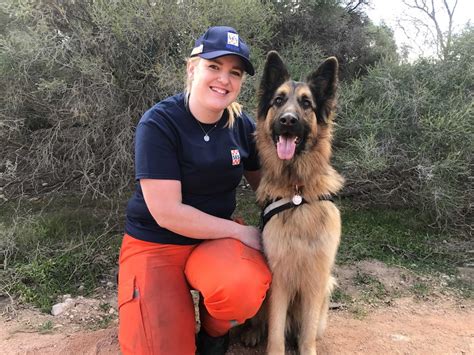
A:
(206, 138)
(297, 199)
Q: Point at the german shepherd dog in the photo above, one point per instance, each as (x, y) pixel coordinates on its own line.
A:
(294, 133)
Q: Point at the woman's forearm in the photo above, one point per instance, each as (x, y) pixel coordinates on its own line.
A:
(191, 222)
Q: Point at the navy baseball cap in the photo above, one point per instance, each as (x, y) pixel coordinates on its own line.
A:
(219, 41)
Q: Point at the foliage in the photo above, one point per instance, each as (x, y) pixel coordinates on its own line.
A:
(77, 76)
(396, 237)
(405, 137)
(337, 30)
(50, 253)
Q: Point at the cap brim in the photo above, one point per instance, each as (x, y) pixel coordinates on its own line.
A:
(216, 54)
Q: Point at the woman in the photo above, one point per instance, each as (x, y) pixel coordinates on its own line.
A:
(190, 153)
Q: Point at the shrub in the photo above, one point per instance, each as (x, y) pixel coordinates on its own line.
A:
(78, 76)
(405, 138)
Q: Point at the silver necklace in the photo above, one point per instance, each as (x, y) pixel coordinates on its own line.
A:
(206, 134)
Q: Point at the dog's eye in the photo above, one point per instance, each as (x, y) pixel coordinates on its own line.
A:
(278, 101)
(306, 104)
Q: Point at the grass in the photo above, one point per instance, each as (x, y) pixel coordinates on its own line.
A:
(50, 248)
(46, 327)
(370, 286)
(396, 237)
(50, 251)
(339, 296)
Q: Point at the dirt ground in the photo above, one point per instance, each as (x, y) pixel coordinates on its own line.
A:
(383, 311)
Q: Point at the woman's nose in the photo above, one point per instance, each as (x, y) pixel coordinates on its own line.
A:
(224, 78)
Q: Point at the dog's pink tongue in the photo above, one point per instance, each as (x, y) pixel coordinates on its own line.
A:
(286, 147)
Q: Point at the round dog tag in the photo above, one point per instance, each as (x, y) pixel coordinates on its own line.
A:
(297, 199)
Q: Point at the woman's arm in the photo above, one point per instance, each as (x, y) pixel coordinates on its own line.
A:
(163, 199)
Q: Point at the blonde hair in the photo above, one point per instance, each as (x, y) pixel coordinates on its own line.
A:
(234, 109)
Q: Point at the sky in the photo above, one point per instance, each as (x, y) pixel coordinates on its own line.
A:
(392, 11)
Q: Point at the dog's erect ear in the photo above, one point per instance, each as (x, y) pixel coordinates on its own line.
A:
(323, 85)
(275, 73)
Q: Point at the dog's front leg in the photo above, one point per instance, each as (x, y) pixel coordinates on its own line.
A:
(311, 304)
(278, 307)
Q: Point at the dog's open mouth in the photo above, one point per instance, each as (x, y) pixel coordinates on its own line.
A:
(286, 146)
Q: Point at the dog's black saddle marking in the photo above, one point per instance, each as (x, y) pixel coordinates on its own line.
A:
(281, 204)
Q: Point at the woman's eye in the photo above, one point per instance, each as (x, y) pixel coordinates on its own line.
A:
(236, 73)
(213, 67)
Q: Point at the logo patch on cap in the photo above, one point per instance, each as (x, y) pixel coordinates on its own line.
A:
(233, 39)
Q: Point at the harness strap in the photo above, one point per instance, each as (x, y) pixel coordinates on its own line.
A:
(273, 208)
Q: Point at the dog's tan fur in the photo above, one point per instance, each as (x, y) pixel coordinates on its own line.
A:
(300, 243)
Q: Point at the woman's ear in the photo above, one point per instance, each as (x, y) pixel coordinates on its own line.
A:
(190, 68)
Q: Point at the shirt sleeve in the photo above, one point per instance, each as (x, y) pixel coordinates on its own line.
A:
(156, 149)
(251, 163)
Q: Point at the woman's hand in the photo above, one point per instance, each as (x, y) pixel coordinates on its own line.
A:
(251, 237)
(163, 199)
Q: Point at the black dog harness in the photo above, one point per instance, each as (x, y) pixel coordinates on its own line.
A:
(278, 205)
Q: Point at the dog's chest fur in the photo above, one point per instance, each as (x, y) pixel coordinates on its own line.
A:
(294, 239)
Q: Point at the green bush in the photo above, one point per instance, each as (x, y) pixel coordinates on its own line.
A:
(78, 76)
(405, 137)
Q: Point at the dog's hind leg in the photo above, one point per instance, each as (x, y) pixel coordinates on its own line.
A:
(323, 314)
(253, 331)
(278, 306)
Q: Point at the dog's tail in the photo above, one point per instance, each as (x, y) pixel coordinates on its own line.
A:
(332, 283)
(323, 314)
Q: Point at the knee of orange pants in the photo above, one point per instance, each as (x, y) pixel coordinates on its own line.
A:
(232, 278)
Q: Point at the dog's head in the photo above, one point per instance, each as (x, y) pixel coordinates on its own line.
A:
(294, 111)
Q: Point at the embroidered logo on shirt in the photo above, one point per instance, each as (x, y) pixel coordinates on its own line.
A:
(235, 156)
(233, 39)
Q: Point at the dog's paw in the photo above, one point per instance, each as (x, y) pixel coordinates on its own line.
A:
(252, 335)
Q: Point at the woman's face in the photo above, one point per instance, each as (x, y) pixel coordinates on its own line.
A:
(215, 83)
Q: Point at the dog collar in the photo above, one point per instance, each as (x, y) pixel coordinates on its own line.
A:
(282, 204)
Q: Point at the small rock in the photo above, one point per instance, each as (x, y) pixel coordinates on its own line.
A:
(81, 288)
(400, 337)
(110, 284)
(111, 311)
(57, 309)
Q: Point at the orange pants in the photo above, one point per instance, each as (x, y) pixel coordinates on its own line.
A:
(156, 310)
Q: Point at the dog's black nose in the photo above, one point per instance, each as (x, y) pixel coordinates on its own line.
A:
(288, 119)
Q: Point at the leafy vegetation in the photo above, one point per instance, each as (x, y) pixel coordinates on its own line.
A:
(75, 77)
(397, 237)
(50, 253)
(405, 138)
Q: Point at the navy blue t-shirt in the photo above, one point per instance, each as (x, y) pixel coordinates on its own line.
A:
(169, 145)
